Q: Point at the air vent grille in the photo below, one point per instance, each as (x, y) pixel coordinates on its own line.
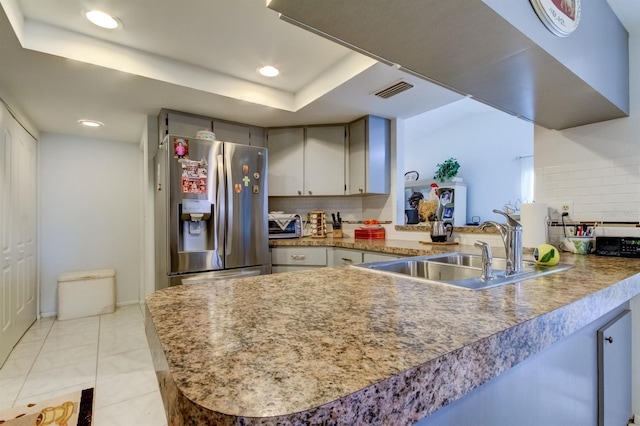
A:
(394, 89)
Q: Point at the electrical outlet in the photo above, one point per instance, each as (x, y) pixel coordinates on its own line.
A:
(567, 207)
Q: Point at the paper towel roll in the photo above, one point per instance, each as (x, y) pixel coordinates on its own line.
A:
(533, 217)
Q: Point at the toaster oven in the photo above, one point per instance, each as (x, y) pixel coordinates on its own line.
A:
(284, 225)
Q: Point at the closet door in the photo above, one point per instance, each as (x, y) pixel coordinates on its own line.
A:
(18, 278)
(24, 169)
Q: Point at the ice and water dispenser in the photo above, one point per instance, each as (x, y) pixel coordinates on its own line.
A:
(196, 230)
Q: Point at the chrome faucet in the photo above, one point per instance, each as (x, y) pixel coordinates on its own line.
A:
(511, 233)
(487, 258)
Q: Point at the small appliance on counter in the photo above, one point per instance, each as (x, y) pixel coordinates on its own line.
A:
(372, 230)
(284, 225)
(618, 246)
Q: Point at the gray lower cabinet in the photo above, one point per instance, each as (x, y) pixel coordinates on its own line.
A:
(370, 256)
(344, 257)
(614, 366)
(556, 386)
(286, 259)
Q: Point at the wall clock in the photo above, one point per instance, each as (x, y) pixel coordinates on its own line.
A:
(561, 17)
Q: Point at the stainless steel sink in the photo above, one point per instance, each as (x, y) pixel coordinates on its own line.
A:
(459, 269)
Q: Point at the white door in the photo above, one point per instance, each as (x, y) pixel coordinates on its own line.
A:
(324, 160)
(18, 291)
(7, 327)
(25, 223)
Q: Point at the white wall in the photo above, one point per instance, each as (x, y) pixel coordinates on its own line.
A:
(89, 212)
(485, 142)
(597, 169)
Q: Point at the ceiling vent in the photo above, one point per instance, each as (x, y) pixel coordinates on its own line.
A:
(394, 89)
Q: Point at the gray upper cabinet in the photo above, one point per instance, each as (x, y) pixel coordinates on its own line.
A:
(286, 161)
(238, 133)
(369, 164)
(324, 160)
(176, 123)
(185, 124)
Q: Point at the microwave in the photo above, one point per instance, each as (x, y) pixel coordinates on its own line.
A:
(284, 225)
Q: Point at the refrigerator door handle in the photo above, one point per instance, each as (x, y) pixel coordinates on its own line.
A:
(220, 216)
(229, 209)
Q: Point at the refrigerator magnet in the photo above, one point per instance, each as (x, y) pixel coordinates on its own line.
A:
(256, 189)
(246, 180)
(180, 148)
(245, 169)
(238, 188)
(256, 175)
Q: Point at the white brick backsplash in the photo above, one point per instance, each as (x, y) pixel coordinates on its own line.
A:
(600, 190)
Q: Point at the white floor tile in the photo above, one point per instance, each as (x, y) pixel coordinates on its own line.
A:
(107, 352)
(74, 326)
(59, 378)
(145, 410)
(70, 341)
(9, 389)
(135, 329)
(16, 366)
(110, 347)
(139, 359)
(27, 349)
(36, 333)
(53, 394)
(114, 388)
(50, 358)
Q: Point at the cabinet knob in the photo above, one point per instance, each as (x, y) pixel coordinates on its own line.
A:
(609, 339)
(298, 256)
(299, 192)
(309, 192)
(361, 190)
(347, 261)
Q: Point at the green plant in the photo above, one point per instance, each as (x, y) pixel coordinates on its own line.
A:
(447, 169)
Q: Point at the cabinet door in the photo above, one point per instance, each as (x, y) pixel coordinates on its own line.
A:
(186, 125)
(369, 154)
(231, 132)
(257, 136)
(324, 155)
(286, 161)
(357, 153)
(614, 367)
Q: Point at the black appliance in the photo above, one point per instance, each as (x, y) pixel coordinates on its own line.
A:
(618, 246)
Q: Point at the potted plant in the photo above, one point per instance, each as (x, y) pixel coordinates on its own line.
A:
(447, 170)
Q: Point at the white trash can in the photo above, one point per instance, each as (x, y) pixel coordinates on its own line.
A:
(86, 293)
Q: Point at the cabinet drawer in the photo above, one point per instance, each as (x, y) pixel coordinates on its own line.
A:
(377, 257)
(290, 268)
(346, 257)
(299, 256)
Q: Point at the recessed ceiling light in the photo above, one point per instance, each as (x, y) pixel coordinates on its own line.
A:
(90, 123)
(103, 19)
(269, 71)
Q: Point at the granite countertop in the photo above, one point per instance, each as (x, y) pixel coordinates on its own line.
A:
(343, 345)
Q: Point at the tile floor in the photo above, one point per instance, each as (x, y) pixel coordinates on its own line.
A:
(107, 352)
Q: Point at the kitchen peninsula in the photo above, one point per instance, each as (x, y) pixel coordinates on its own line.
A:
(342, 345)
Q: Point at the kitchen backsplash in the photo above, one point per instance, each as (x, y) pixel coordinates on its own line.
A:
(352, 209)
(598, 177)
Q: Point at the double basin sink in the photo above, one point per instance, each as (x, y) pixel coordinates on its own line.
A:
(460, 269)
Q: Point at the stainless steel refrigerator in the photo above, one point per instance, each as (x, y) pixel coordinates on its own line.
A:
(210, 210)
